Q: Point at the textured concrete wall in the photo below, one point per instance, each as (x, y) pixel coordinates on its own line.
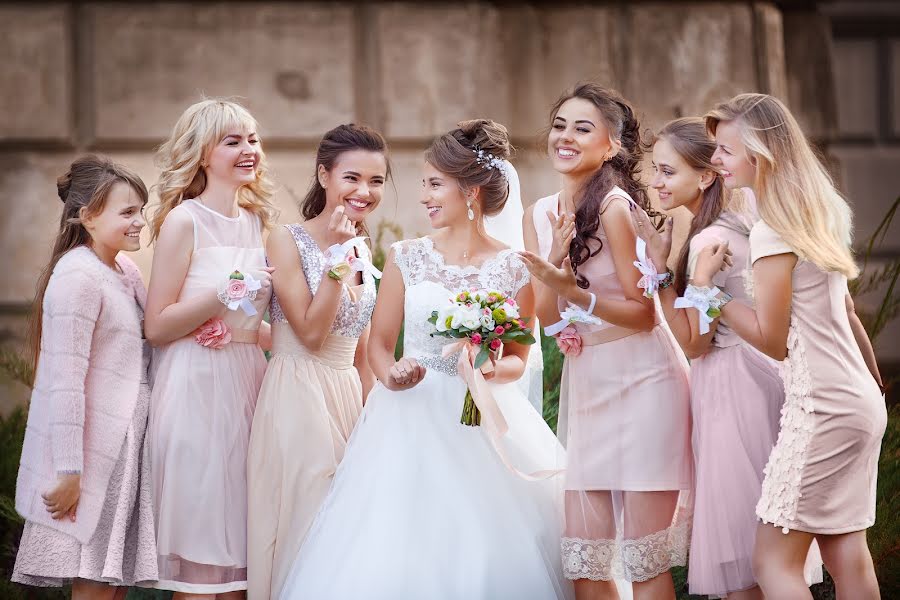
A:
(113, 78)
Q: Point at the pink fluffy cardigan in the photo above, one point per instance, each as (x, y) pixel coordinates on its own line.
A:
(86, 385)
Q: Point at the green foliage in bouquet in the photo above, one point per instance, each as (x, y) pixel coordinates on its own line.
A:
(486, 319)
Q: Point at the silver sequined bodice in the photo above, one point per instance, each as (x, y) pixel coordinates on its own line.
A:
(430, 284)
(352, 317)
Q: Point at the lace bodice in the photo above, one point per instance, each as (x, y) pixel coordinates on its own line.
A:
(430, 283)
(352, 317)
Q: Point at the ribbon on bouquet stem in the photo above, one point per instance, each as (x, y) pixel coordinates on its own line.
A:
(474, 378)
(494, 422)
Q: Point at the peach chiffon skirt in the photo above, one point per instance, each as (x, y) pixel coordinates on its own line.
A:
(307, 408)
(200, 415)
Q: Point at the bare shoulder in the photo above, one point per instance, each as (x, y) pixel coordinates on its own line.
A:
(178, 222)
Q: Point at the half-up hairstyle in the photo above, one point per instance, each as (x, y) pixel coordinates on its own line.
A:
(795, 195)
(343, 138)
(455, 155)
(621, 170)
(692, 142)
(198, 130)
(86, 185)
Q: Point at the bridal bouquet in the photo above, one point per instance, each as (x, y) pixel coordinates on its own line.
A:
(485, 319)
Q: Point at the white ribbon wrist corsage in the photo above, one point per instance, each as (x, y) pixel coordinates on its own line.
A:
(650, 279)
(574, 314)
(239, 291)
(705, 300)
(342, 260)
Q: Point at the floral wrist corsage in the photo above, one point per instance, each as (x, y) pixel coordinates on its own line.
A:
(342, 259)
(239, 291)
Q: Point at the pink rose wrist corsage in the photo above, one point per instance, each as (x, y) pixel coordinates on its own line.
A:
(239, 291)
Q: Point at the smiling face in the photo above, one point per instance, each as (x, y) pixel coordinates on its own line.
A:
(579, 138)
(356, 182)
(233, 159)
(443, 198)
(118, 226)
(677, 182)
(732, 157)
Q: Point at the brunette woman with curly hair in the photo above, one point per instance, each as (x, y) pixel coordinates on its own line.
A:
(624, 397)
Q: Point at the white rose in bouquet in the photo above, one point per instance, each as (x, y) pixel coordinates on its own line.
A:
(467, 316)
(446, 316)
(512, 310)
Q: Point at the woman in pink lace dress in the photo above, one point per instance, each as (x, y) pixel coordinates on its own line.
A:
(624, 397)
(820, 478)
(208, 291)
(84, 480)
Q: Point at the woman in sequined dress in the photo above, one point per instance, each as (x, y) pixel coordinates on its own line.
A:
(423, 506)
(314, 386)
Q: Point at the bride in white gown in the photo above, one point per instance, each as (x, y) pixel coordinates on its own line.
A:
(422, 507)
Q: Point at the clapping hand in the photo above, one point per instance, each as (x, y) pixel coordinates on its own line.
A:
(659, 243)
(561, 279)
(563, 228)
(712, 259)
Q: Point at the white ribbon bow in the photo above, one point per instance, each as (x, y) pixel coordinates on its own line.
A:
(650, 278)
(572, 314)
(338, 253)
(702, 299)
(245, 303)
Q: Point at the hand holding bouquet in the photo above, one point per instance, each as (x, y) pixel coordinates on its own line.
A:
(486, 319)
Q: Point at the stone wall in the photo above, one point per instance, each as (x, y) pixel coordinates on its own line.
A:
(113, 78)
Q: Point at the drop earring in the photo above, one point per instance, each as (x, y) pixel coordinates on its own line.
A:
(470, 213)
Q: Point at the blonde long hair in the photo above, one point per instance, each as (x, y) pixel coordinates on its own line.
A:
(795, 194)
(198, 129)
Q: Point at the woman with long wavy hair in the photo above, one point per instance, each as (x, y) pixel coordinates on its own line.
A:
(820, 478)
(624, 397)
(208, 291)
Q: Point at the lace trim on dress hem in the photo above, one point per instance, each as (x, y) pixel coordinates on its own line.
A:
(784, 471)
(633, 560)
(198, 588)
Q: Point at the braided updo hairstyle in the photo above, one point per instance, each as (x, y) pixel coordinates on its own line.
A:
(621, 170)
(456, 154)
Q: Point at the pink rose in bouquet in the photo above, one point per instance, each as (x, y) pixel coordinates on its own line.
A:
(486, 319)
(213, 334)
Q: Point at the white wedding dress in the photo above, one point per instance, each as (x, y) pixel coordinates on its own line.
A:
(422, 507)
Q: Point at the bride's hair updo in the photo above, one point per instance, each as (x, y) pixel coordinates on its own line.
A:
(456, 154)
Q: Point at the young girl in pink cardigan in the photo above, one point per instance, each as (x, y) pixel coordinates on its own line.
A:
(83, 484)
